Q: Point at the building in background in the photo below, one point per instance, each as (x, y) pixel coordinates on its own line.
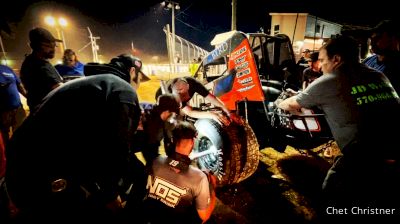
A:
(306, 31)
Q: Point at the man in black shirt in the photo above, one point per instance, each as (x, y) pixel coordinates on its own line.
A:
(303, 61)
(38, 76)
(313, 72)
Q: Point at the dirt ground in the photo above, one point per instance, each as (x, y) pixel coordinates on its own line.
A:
(147, 90)
(284, 189)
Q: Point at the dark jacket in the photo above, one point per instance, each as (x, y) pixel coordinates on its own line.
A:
(74, 147)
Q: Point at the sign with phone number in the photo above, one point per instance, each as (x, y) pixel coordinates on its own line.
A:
(376, 97)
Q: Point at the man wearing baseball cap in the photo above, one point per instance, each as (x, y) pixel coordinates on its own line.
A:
(126, 66)
(303, 61)
(38, 76)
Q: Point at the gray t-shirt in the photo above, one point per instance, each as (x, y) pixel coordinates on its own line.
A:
(175, 195)
(354, 100)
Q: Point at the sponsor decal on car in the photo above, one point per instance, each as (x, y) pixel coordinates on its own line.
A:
(243, 72)
(245, 88)
(242, 66)
(245, 81)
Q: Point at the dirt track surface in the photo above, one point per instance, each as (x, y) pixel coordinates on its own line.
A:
(147, 90)
(284, 189)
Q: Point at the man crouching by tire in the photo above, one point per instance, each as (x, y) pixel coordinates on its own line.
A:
(178, 192)
(66, 161)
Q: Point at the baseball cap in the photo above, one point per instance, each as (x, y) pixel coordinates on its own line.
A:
(168, 102)
(306, 51)
(40, 35)
(128, 61)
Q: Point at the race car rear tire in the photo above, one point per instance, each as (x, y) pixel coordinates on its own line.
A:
(253, 154)
(238, 150)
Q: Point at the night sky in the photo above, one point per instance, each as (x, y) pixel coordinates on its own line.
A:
(120, 23)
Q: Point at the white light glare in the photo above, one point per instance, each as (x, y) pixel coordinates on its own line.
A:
(50, 20)
(62, 22)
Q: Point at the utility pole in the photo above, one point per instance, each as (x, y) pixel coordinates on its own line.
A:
(173, 35)
(3, 50)
(95, 47)
(234, 14)
(172, 5)
(63, 39)
(170, 57)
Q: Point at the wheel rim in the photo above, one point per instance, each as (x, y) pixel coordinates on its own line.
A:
(209, 161)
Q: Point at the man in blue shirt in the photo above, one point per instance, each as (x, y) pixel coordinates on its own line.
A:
(10, 106)
(385, 44)
(71, 66)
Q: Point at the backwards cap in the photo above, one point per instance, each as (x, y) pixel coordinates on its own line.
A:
(126, 61)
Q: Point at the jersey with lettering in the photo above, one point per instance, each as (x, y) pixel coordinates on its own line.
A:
(174, 197)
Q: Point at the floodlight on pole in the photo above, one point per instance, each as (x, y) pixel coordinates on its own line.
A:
(50, 20)
(58, 24)
(173, 6)
(63, 22)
